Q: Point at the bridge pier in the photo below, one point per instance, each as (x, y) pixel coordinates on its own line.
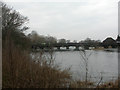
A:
(41, 47)
(59, 45)
(67, 48)
(58, 48)
(77, 48)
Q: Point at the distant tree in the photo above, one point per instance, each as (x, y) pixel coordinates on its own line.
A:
(75, 41)
(109, 42)
(88, 40)
(90, 43)
(51, 39)
(62, 41)
(36, 38)
(67, 41)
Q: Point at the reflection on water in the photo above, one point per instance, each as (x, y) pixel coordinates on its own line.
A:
(100, 63)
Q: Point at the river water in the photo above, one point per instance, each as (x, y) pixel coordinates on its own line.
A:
(100, 64)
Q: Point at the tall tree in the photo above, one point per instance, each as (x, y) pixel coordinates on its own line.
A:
(12, 20)
(13, 25)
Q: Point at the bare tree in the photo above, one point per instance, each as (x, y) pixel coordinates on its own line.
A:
(50, 39)
(62, 41)
(101, 78)
(13, 25)
(67, 41)
(85, 58)
(12, 20)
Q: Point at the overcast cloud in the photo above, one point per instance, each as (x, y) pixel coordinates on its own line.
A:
(73, 19)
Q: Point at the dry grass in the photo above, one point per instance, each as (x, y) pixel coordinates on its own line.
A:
(81, 84)
(20, 71)
(109, 85)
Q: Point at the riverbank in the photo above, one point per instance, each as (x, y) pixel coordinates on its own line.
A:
(63, 50)
(22, 71)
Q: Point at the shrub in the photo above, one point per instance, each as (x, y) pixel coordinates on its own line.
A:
(20, 71)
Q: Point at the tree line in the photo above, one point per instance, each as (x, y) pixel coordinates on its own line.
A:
(14, 26)
(36, 38)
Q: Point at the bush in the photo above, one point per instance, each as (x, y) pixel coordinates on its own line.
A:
(20, 71)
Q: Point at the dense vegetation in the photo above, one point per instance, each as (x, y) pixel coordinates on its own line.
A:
(13, 27)
(20, 70)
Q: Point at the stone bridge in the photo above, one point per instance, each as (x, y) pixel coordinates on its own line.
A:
(58, 45)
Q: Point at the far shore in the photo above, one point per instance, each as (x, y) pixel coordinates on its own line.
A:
(95, 49)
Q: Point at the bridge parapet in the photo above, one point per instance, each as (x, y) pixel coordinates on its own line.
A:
(58, 45)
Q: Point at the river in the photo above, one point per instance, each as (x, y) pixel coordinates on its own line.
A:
(100, 64)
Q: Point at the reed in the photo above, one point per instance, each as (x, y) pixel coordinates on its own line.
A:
(20, 71)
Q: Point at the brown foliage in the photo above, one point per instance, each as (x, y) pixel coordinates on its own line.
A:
(81, 84)
(20, 71)
(109, 85)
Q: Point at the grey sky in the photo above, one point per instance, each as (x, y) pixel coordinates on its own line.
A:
(74, 20)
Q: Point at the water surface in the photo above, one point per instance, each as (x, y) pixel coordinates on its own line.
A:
(100, 64)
